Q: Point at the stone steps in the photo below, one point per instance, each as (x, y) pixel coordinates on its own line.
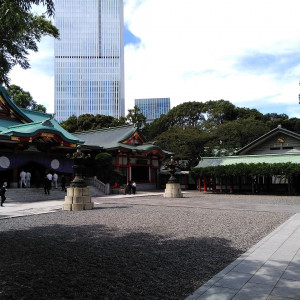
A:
(37, 194)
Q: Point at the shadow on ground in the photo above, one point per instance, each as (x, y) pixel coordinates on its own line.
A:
(97, 262)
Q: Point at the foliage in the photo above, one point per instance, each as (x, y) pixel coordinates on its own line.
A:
(237, 134)
(23, 99)
(135, 117)
(185, 114)
(260, 169)
(186, 142)
(90, 122)
(104, 166)
(220, 111)
(220, 128)
(20, 31)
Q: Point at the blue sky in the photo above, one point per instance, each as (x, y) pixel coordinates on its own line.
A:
(246, 52)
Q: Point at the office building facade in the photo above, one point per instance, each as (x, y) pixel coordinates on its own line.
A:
(89, 58)
(152, 108)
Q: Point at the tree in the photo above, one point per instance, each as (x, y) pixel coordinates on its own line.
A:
(90, 122)
(105, 171)
(246, 113)
(186, 142)
(135, 117)
(220, 111)
(231, 136)
(185, 114)
(23, 99)
(20, 31)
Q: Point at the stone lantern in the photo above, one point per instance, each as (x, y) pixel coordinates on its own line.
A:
(78, 194)
(173, 189)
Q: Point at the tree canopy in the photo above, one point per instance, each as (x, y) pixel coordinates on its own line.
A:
(135, 117)
(90, 122)
(23, 99)
(213, 128)
(20, 31)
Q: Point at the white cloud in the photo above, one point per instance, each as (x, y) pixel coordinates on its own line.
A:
(40, 86)
(189, 50)
(195, 50)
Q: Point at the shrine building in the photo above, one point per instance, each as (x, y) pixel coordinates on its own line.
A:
(31, 141)
(34, 141)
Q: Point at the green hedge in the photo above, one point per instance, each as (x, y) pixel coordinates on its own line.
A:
(261, 169)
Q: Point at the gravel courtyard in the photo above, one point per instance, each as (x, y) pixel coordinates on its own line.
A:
(126, 251)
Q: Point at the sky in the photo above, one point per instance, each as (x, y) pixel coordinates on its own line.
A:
(243, 51)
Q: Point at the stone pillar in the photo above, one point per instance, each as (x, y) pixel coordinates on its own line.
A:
(173, 190)
(78, 198)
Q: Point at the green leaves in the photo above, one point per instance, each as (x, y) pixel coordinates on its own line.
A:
(20, 30)
(90, 122)
(287, 170)
(23, 99)
(135, 117)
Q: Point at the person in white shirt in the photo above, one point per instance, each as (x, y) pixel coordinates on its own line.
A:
(133, 186)
(22, 179)
(49, 176)
(54, 179)
(27, 179)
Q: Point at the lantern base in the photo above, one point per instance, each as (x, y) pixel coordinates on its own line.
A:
(78, 199)
(173, 190)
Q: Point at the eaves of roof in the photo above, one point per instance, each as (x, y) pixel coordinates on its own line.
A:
(48, 126)
(17, 110)
(248, 159)
(266, 136)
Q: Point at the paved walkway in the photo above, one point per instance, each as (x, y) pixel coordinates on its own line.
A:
(269, 270)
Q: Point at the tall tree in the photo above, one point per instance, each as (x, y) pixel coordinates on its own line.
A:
(135, 117)
(20, 31)
(185, 114)
(220, 111)
(88, 121)
(23, 99)
(188, 143)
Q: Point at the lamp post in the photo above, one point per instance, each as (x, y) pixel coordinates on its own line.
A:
(78, 195)
(172, 164)
(172, 187)
(78, 158)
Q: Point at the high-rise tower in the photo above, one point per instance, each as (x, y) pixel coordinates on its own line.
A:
(89, 58)
(152, 108)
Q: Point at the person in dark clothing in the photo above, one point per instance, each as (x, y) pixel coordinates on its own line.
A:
(63, 183)
(128, 188)
(3, 190)
(47, 185)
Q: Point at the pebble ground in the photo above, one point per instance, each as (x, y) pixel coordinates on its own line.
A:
(126, 251)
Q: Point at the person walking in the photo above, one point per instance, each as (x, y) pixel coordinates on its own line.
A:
(47, 185)
(133, 186)
(3, 190)
(54, 180)
(22, 179)
(128, 188)
(63, 183)
(27, 179)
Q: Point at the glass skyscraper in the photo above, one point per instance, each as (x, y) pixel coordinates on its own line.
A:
(152, 108)
(89, 58)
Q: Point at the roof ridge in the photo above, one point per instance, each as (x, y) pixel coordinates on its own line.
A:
(251, 155)
(36, 111)
(104, 129)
